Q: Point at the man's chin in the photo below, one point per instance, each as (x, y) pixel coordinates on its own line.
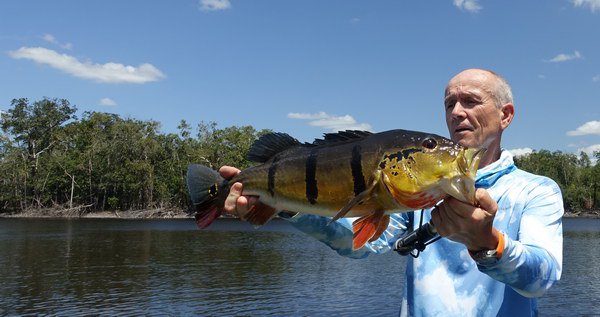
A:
(463, 140)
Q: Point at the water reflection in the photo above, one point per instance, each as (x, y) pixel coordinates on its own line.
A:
(117, 267)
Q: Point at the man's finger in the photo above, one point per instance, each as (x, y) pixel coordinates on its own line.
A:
(458, 208)
(228, 172)
(436, 221)
(231, 201)
(486, 202)
(447, 225)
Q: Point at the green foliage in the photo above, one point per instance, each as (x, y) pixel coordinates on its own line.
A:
(34, 131)
(49, 158)
(578, 179)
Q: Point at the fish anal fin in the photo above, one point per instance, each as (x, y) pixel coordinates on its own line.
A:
(383, 224)
(365, 228)
(259, 214)
(205, 218)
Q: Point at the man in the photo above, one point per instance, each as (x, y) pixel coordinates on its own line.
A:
(495, 258)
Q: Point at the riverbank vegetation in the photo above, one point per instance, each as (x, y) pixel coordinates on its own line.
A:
(50, 159)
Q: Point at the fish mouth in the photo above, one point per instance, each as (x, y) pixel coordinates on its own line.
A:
(462, 186)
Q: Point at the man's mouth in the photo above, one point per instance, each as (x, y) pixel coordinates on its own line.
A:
(462, 129)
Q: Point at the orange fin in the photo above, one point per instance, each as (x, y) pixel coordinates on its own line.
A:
(383, 224)
(260, 216)
(206, 217)
(365, 228)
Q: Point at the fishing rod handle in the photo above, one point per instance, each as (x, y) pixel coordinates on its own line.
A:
(417, 239)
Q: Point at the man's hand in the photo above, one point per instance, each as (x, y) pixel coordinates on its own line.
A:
(467, 224)
(236, 203)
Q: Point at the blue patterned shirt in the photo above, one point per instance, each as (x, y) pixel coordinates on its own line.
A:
(444, 280)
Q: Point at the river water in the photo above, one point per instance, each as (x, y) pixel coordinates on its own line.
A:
(168, 267)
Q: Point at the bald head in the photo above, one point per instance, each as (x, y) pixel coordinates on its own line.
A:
(498, 87)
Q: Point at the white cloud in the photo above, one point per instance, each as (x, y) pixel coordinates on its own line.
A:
(589, 150)
(521, 152)
(331, 122)
(468, 5)
(596, 78)
(214, 5)
(51, 39)
(107, 102)
(355, 20)
(113, 73)
(591, 127)
(592, 4)
(542, 76)
(308, 116)
(565, 57)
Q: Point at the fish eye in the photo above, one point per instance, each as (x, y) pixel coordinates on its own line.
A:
(429, 143)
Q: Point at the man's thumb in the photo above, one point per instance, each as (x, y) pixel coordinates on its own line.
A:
(486, 201)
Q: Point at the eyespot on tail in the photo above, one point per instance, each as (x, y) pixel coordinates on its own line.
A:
(208, 191)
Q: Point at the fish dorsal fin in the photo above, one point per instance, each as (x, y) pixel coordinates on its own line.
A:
(341, 136)
(270, 144)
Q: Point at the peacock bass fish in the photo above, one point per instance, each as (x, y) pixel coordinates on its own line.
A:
(345, 174)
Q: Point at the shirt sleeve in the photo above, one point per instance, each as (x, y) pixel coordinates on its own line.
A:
(533, 262)
(338, 234)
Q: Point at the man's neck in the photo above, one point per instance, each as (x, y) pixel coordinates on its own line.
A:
(491, 155)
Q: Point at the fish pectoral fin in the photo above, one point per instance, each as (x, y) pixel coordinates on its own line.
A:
(259, 216)
(363, 196)
(383, 224)
(355, 201)
(367, 227)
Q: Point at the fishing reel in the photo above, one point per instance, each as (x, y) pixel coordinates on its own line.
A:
(417, 239)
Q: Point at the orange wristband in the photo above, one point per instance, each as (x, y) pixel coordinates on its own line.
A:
(500, 247)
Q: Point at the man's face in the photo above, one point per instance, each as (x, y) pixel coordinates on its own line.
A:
(471, 114)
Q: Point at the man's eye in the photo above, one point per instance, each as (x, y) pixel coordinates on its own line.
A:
(471, 101)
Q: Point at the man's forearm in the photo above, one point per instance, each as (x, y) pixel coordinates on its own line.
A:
(529, 270)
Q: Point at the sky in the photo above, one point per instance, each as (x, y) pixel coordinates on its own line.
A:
(309, 67)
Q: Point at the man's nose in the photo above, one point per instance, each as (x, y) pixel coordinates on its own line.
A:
(458, 111)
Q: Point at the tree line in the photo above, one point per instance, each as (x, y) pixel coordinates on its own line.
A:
(51, 159)
(578, 178)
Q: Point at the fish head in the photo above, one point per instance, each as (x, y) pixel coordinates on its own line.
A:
(420, 174)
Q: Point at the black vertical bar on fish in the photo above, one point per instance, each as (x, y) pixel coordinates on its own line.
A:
(271, 176)
(357, 174)
(311, 181)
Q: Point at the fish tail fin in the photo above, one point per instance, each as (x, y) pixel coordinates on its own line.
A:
(368, 228)
(208, 190)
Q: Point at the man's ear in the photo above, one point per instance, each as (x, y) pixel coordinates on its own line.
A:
(507, 115)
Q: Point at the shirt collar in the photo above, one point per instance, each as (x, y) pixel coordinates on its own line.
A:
(487, 176)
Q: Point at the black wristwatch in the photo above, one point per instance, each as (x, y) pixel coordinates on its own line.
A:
(485, 257)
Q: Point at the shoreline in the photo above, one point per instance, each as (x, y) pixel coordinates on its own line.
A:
(130, 214)
(585, 215)
(172, 214)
